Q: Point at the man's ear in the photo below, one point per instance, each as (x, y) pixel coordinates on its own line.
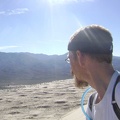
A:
(81, 58)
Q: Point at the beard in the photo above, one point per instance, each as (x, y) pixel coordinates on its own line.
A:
(79, 83)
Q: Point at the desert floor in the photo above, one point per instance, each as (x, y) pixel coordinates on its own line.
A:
(46, 101)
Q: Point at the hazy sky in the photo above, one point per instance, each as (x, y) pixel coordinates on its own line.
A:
(45, 26)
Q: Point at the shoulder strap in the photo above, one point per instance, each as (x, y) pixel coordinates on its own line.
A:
(91, 101)
(114, 103)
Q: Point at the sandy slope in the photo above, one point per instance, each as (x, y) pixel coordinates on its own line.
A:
(76, 114)
(46, 101)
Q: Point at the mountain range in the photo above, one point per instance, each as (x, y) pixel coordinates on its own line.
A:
(29, 68)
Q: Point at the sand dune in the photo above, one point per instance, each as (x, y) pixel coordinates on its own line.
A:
(46, 101)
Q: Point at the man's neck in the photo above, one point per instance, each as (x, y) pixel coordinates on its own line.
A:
(101, 77)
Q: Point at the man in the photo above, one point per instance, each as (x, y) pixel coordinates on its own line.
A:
(90, 54)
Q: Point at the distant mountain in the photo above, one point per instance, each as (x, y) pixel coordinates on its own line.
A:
(28, 68)
(116, 62)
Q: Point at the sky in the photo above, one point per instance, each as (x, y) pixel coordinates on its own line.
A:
(45, 26)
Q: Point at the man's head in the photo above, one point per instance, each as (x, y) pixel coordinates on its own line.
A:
(94, 41)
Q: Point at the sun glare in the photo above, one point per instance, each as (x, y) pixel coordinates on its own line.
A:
(53, 2)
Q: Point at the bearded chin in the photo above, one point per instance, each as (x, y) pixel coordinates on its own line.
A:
(79, 83)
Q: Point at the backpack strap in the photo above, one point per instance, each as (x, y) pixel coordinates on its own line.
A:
(114, 103)
(91, 101)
